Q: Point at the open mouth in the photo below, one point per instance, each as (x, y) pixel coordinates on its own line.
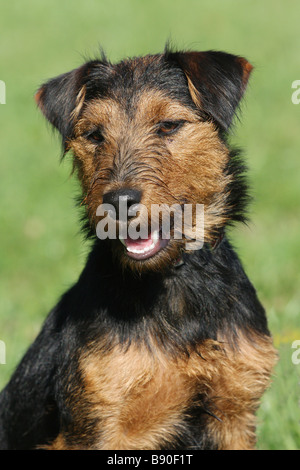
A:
(144, 248)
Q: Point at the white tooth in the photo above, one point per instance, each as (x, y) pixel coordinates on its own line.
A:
(155, 236)
(145, 250)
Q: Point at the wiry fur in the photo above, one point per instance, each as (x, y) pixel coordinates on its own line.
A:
(147, 354)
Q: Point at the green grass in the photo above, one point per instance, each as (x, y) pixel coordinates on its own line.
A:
(41, 250)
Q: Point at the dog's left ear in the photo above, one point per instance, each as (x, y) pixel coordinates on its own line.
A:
(216, 81)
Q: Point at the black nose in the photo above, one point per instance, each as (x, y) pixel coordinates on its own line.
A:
(122, 199)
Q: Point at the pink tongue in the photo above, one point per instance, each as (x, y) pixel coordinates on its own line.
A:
(139, 243)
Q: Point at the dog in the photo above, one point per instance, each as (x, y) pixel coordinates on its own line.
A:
(158, 345)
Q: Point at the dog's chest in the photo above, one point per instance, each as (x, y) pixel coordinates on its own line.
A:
(137, 399)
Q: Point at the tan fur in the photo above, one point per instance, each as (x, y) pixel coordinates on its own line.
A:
(133, 155)
(79, 103)
(237, 386)
(138, 398)
(194, 92)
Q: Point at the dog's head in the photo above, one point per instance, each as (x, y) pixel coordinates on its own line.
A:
(148, 137)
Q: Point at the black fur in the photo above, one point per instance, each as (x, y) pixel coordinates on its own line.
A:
(215, 289)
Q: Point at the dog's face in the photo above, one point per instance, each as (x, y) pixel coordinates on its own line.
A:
(148, 134)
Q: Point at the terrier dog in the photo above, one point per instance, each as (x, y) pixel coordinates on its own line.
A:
(157, 346)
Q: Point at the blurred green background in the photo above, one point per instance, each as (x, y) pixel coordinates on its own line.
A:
(41, 249)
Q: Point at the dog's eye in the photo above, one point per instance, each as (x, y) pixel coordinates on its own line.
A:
(169, 127)
(96, 137)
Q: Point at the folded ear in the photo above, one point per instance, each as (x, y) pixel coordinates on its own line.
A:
(216, 81)
(62, 98)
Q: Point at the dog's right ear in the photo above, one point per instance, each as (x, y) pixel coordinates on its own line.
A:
(61, 99)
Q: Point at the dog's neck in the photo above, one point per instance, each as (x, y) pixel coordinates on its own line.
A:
(210, 246)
